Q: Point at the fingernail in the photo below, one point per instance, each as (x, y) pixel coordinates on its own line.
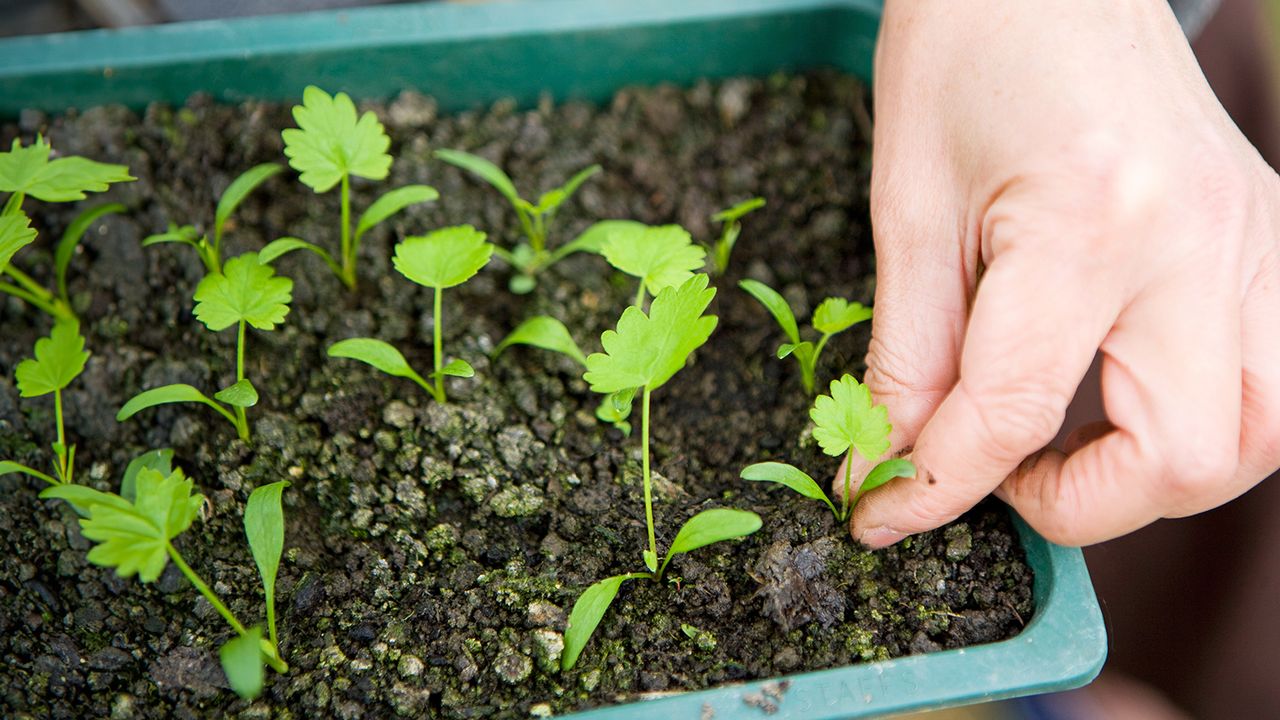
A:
(880, 537)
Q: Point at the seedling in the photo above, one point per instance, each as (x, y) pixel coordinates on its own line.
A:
(834, 315)
(330, 146)
(548, 333)
(442, 259)
(845, 422)
(210, 250)
(134, 535)
(730, 228)
(642, 354)
(246, 292)
(28, 171)
(532, 256)
(661, 257)
(59, 359)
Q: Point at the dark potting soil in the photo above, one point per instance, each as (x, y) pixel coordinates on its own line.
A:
(433, 551)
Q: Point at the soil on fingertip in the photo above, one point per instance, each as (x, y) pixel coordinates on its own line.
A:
(433, 551)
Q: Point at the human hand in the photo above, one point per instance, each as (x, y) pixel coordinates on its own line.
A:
(1071, 156)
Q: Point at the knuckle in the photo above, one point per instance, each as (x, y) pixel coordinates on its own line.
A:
(1197, 462)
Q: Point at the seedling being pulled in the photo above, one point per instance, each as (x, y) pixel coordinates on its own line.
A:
(134, 532)
(532, 256)
(28, 171)
(59, 359)
(641, 355)
(730, 229)
(330, 146)
(210, 250)
(442, 259)
(662, 257)
(246, 292)
(833, 315)
(846, 421)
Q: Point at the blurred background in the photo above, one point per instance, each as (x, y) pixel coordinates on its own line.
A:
(1190, 604)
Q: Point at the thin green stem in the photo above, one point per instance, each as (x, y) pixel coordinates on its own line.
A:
(847, 505)
(648, 483)
(13, 204)
(640, 295)
(242, 421)
(271, 615)
(28, 282)
(205, 590)
(64, 468)
(348, 253)
(48, 307)
(437, 349)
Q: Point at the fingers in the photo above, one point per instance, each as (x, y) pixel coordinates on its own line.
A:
(1029, 342)
(1171, 386)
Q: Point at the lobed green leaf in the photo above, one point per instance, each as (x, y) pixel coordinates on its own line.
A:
(847, 418)
(778, 307)
(29, 170)
(594, 237)
(837, 314)
(58, 360)
(160, 461)
(246, 290)
(331, 142)
(646, 350)
(15, 233)
(444, 258)
(662, 257)
(546, 332)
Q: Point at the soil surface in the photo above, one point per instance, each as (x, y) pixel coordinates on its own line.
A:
(433, 551)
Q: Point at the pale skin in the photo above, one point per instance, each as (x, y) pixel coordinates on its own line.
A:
(1054, 179)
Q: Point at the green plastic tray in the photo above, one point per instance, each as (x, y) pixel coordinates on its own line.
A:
(469, 55)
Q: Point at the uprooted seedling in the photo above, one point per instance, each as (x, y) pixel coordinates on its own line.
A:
(532, 256)
(209, 249)
(246, 292)
(442, 259)
(28, 171)
(330, 146)
(641, 355)
(730, 220)
(59, 359)
(845, 422)
(833, 315)
(134, 533)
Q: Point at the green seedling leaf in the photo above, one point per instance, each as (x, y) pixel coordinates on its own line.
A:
(160, 461)
(457, 368)
(165, 395)
(29, 170)
(543, 332)
(646, 350)
(241, 394)
(778, 307)
(444, 258)
(83, 498)
(847, 418)
(737, 211)
(331, 143)
(587, 612)
(59, 359)
(134, 537)
(522, 284)
(650, 560)
(615, 408)
(789, 476)
(246, 290)
(279, 247)
(379, 354)
(551, 201)
(71, 240)
(239, 189)
(264, 526)
(8, 466)
(661, 257)
(836, 314)
(712, 526)
(884, 472)
(594, 237)
(484, 170)
(241, 659)
(185, 234)
(15, 233)
(392, 203)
